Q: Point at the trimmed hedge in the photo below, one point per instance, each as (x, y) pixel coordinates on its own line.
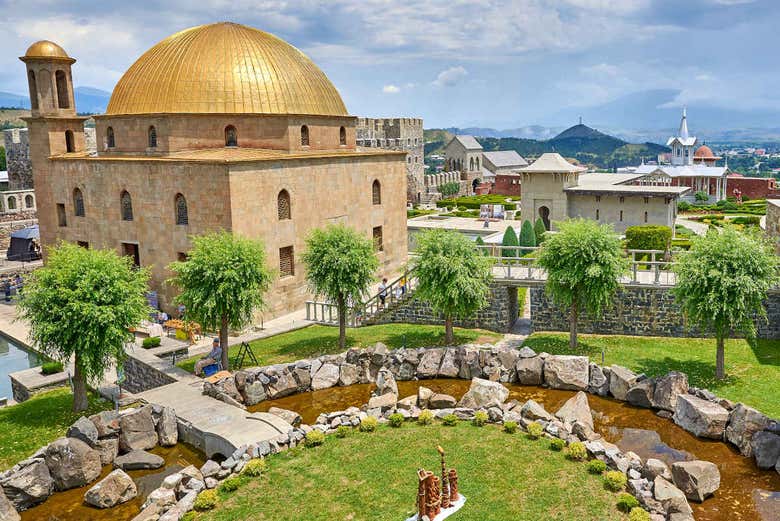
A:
(648, 237)
(473, 202)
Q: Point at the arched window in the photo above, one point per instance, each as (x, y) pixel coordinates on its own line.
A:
(376, 192)
(304, 136)
(63, 97)
(152, 137)
(29, 202)
(12, 203)
(33, 89)
(78, 202)
(231, 136)
(283, 205)
(126, 204)
(110, 138)
(471, 164)
(70, 146)
(182, 216)
(342, 136)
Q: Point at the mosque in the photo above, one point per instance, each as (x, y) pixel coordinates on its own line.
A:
(219, 126)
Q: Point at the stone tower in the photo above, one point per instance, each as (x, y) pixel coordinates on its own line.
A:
(54, 127)
(544, 183)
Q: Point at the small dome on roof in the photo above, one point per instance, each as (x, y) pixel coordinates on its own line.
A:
(46, 49)
(704, 152)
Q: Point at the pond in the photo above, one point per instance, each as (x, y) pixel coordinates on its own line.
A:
(746, 493)
(12, 359)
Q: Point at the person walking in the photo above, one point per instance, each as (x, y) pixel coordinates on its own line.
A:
(383, 291)
(7, 289)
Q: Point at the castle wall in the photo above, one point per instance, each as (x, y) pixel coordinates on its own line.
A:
(17, 157)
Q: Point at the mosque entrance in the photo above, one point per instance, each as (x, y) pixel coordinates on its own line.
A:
(544, 213)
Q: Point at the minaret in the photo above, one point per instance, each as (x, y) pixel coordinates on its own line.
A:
(54, 127)
(683, 133)
(683, 144)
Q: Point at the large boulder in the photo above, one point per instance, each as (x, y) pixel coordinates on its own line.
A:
(672, 498)
(429, 363)
(385, 383)
(138, 460)
(450, 365)
(84, 430)
(576, 409)
(72, 463)
(654, 468)
(7, 510)
(28, 486)
(701, 417)
(697, 479)
(766, 449)
(599, 380)
(423, 396)
(137, 431)
(326, 377)
(167, 428)
(484, 394)
(383, 402)
(348, 374)
(744, 422)
(533, 411)
(567, 372)
(621, 380)
(441, 401)
(529, 370)
(291, 417)
(254, 392)
(114, 489)
(641, 393)
(668, 388)
(108, 449)
(106, 423)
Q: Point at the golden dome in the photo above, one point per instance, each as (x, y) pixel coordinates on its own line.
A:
(225, 68)
(46, 49)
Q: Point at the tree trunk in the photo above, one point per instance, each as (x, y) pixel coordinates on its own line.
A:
(80, 399)
(449, 336)
(573, 326)
(223, 341)
(342, 322)
(720, 364)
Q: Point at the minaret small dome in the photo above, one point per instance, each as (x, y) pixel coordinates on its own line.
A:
(46, 49)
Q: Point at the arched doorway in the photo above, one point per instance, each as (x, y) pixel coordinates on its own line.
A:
(544, 213)
(474, 185)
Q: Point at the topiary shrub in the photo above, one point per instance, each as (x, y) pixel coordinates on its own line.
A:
(615, 480)
(230, 484)
(510, 427)
(450, 420)
(342, 431)
(683, 206)
(150, 342)
(425, 418)
(701, 196)
(206, 500)
(577, 451)
(535, 430)
(596, 466)
(314, 438)
(51, 368)
(626, 502)
(480, 418)
(510, 239)
(648, 237)
(638, 514)
(527, 236)
(557, 444)
(254, 468)
(396, 420)
(368, 424)
(539, 231)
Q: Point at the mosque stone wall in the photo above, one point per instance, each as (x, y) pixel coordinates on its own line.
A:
(17, 156)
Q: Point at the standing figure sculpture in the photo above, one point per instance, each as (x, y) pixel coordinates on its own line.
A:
(434, 495)
(445, 489)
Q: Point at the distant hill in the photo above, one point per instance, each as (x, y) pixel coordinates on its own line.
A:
(89, 100)
(435, 140)
(11, 118)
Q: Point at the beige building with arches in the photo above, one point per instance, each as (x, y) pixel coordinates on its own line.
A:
(219, 126)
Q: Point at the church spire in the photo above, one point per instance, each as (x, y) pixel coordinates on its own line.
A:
(683, 133)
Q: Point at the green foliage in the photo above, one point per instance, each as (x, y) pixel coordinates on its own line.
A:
(576, 451)
(626, 502)
(539, 231)
(701, 196)
(596, 466)
(683, 206)
(509, 239)
(396, 420)
(368, 424)
(615, 480)
(416, 212)
(314, 438)
(150, 342)
(254, 468)
(480, 418)
(82, 304)
(535, 430)
(206, 500)
(648, 237)
(230, 484)
(527, 235)
(638, 514)
(450, 420)
(51, 368)
(474, 202)
(425, 417)
(342, 431)
(448, 189)
(189, 516)
(557, 444)
(510, 427)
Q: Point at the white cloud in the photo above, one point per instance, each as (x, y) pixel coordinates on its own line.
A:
(391, 89)
(450, 77)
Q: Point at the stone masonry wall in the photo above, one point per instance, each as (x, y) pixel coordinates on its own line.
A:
(499, 315)
(140, 376)
(645, 311)
(17, 154)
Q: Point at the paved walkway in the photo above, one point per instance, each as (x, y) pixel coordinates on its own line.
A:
(696, 227)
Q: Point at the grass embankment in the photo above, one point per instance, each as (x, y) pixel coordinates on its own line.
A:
(753, 368)
(374, 476)
(27, 426)
(320, 340)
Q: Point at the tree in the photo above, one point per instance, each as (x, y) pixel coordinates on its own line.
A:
(453, 278)
(539, 230)
(527, 236)
(722, 282)
(82, 305)
(584, 262)
(340, 265)
(509, 239)
(222, 283)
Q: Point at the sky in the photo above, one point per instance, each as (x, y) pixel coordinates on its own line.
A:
(500, 64)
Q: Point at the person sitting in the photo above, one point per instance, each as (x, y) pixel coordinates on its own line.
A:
(212, 358)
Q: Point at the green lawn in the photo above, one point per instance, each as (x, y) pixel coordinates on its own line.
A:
(319, 340)
(753, 369)
(374, 476)
(25, 427)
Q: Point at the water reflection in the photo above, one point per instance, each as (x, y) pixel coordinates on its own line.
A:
(12, 359)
